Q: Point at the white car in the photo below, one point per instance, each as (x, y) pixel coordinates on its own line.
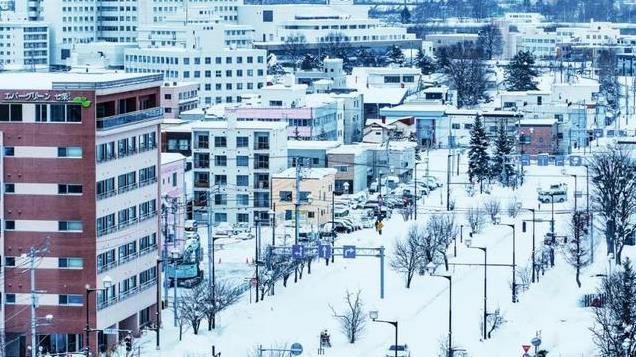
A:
(402, 351)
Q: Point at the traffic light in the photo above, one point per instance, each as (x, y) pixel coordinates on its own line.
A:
(128, 342)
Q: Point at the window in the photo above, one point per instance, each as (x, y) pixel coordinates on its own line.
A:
(9, 298)
(201, 161)
(242, 141)
(66, 226)
(9, 188)
(71, 300)
(342, 168)
(408, 79)
(220, 199)
(456, 126)
(9, 261)
(242, 199)
(391, 79)
(10, 112)
(220, 160)
(242, 180)
(167, 96)
(220, 217)
(9, 151)
(242, 217)
(69, 189)
(71, 151)
(220, 180)
(220, 141)
(70, 263)
(468, 126)
(304, 196)
(174, 179)
(288, 214)
(285, 196)
(242, 161)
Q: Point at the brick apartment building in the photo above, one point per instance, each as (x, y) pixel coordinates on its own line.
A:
(80, 171)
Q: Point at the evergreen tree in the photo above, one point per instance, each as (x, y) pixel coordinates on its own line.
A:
(478, 154)
(405, 15)
(502, 167)
(425, 63)
(616, 317)
(396, 55)
(520, 74)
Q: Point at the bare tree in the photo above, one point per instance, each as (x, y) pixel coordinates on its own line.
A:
(441, 230)
(614, 180)
(576, 250)
(492, 207)
(191, 307)
(225, 294)
(466, 73)
(494, 321)
(514, 206)
(408, 258)
(608, 77)
(276, 350)
(476, 219)
(353, 320)
(490, 41)
(295, 47)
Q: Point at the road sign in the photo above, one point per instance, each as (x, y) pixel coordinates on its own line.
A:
(324, 251)
(525, 160)
(543, 160)
(598, 133)
(526, 348)
(559, 160)
(526, 355)
(298, 251)
(575, 160)
(536, 342)
(296, 349)
(110, 331)
(349, 251)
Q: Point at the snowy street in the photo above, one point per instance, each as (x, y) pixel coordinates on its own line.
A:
(299, 312)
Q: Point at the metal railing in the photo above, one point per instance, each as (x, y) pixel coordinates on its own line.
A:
(107, 230)
(148, 249)
(148, 181)
(147, 216)
(103, 195)
(107, 267)
(127, 188)
(127, 258)
(129, 118)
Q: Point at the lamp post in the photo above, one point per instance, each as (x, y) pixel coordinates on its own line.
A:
(431, 270)
(575, 190)
(36, 350)
(257, 253)
(534, 264)
(107, 282)
(373, 315)
(514, 261)
(448, 180)
(469, 241)
(415, 188)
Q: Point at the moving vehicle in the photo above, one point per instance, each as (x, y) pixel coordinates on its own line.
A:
(402, 351)
(557, 192)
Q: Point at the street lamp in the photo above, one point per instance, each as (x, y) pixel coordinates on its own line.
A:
(35, 349)
(430, 267)
(373, 315)
(415, 188)
(469, 242)
(514, 261)
(174, 256)
(107, 282)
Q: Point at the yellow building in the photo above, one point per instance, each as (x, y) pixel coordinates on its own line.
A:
(316, 190)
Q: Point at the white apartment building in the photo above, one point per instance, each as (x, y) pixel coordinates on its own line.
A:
(24, 45)
(236, 160)
(320, 24)
(384, 77)
(541, 44)
(156, 12)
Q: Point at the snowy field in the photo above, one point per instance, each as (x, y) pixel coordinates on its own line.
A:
(299, 312)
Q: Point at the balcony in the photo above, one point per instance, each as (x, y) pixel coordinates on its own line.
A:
(147, 147)
(261, 185)
(127, 188)
(147, 182)
(202, 184)
(128, 258)
(147, 250)
(107, 230)
(127, 223)
(106, 158)
(139, 116)
(104, 195)
(147, 216)
(107, 267)
(106, 303)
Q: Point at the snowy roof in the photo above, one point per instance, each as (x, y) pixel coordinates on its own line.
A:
(393, 96)
(537, 122)
(348, 149)
(311, 144)
(418, 107)
(454, 111)
(46, 80)
(378, 122)
(310, 173)
(169, 157)
(437, 89)
(173, 121)
(318, 100)
(223, 124)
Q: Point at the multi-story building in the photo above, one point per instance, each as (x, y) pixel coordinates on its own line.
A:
(320, 25)
(351, 164)
(177, 97)
(316, 188)
(173, 193)
(24, 45)
(233, 163)
(225, 73)
(80, 171)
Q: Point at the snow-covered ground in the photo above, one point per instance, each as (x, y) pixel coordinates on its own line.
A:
(299, 312)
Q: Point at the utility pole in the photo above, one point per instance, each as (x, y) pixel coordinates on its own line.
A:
(33, 252)
(210, 240)
(164, 254)
(299, 163)
(174, 210)
(333, 222)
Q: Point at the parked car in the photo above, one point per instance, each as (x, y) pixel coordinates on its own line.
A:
(244, 235)
(338, 227)
(347, 223)
(402, 351)
(559, 192)
(190, 225)
(353, 222)
(223, 229)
